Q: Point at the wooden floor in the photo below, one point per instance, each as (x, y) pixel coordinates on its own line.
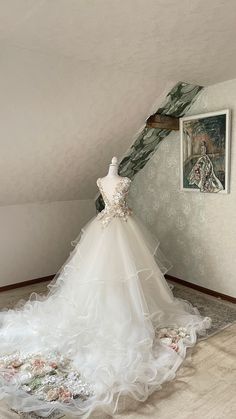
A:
(205, 386)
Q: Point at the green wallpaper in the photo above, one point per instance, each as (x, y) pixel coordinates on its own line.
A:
(177, 102)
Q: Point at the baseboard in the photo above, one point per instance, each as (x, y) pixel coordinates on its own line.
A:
(26, 283)
(201, 289)
(170, 277)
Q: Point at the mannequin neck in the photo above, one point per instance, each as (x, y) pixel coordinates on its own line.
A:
(113, 170)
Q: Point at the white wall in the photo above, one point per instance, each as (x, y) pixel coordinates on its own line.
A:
(77, 79)
(197, 231)
(36, 239)
(61, 122)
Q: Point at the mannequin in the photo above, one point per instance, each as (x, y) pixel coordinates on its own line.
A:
(109, 328)
(110, 181)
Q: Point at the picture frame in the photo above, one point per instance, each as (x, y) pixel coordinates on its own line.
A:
(205, 152)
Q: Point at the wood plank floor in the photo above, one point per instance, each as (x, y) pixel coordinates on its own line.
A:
(205, 386)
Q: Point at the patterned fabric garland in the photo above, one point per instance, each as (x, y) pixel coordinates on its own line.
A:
(178, 101)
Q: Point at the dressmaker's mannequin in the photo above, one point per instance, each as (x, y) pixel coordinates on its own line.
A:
(110, 328)
(110, 181)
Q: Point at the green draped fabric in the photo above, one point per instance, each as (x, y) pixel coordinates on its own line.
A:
(177, 102)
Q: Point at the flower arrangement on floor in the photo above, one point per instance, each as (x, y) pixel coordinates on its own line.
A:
(51, 378)
(171, 336)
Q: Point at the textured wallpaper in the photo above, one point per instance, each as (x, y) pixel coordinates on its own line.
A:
(176, 103)
(197, 231)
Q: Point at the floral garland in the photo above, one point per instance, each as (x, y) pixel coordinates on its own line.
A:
(50, 378)
(172, 336)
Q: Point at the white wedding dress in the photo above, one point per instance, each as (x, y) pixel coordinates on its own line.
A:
(108, 329)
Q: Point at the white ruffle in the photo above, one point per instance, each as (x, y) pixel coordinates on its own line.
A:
(102, 311)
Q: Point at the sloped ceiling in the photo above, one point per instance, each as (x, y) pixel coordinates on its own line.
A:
(78, 78)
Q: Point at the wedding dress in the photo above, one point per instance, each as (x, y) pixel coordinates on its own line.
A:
(109, 328)
(203, 176)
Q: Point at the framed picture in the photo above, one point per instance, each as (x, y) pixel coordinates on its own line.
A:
(205, 150)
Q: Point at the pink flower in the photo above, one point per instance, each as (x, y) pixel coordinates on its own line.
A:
(64, 395)
(53, 365)
(38, 366)
(174, 346)
(38, 362)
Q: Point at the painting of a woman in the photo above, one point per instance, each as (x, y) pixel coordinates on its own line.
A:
(205, 152)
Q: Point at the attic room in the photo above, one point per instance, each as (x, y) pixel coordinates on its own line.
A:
(117, 209)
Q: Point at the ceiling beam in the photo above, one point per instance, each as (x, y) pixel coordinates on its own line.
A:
(163, 121)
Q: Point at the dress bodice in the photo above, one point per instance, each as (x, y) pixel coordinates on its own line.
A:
(116, 206)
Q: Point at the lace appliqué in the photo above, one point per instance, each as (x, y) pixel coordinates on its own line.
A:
(117, 207)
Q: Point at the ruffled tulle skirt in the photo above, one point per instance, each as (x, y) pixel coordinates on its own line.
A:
(109, 327)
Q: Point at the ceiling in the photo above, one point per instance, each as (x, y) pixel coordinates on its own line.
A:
(78, 78)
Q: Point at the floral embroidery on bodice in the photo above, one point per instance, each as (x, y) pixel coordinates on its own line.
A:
(116, 206)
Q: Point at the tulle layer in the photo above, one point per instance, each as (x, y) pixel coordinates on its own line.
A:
(110, 314)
